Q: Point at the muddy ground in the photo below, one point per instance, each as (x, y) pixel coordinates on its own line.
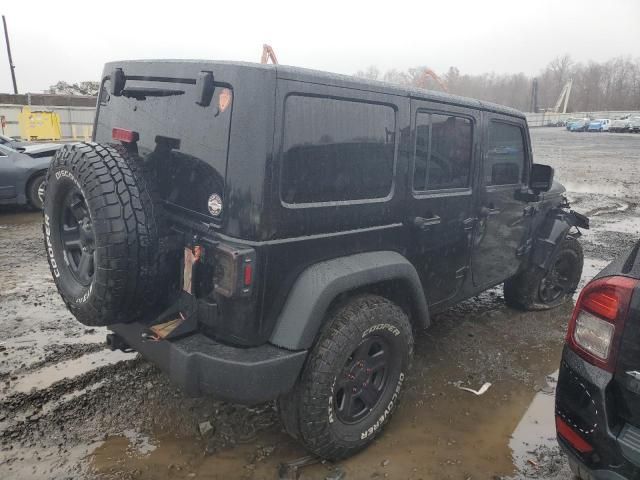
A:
(71, 409)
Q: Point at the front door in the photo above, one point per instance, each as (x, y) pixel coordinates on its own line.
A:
(503, 227)
(441, 195)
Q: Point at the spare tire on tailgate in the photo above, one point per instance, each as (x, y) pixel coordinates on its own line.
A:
(101, 234)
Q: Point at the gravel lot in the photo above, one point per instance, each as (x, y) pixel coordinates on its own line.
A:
(71, 409)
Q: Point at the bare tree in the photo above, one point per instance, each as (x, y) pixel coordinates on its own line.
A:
(610, 85)
(82, 88)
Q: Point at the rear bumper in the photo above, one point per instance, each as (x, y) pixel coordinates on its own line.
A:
(585, 473)
(199, 365)
(581, 399)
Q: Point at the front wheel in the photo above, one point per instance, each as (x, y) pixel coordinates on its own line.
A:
(537, 289)
(351, 383)
(35, 192)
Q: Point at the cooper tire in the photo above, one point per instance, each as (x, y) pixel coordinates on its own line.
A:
(101, 235)
(532, 288)
(344, 359)
(35, 191)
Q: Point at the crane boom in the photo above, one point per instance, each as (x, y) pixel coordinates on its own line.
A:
(426, 73)
(268, 54)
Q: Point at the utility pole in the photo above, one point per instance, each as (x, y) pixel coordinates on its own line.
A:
(12, 67)
(533, 105)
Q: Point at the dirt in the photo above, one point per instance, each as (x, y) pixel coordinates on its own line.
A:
(71, 409)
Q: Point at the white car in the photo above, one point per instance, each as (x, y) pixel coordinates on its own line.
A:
(629, 123)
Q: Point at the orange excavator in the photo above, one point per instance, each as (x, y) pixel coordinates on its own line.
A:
(422, 80)
(268, 54)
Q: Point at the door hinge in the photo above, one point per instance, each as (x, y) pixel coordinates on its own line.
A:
(524, 249)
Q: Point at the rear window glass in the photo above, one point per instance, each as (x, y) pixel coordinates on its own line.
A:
(336, 150)
(444, 146)
(186, 141)
(504, 162)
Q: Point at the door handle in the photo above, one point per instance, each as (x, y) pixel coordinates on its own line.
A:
(424, 223)
(487, 212)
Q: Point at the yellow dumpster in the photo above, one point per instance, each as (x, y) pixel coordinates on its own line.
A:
(39, 124)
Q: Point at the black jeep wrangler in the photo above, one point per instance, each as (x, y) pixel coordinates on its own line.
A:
(263, 232)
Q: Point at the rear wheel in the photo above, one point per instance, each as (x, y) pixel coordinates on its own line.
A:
(537, 289)
(35, 191)
(351, 383)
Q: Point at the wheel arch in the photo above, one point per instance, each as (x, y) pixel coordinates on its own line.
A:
(32, 176)
(551, 233)
(323, 285)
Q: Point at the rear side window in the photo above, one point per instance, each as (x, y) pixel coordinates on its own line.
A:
(336, 150)
(444, 145)
(504, 162)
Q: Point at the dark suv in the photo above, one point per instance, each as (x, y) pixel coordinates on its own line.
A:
(264, 232)
(598, 393)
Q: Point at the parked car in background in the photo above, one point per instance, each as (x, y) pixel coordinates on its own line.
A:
(39, 150)
(22, 177)
(628, 123)
(34, 149)
(10, 142)
(580, 125)
(599, 125)
(598, 391)
(620, 124)
(569, 121)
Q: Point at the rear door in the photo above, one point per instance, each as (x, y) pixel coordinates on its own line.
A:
(440, 195)
(503, 229)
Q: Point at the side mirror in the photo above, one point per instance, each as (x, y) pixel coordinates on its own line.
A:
(541, 178)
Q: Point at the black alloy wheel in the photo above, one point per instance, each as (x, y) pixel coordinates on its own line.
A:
(561, 278)
(363, 380)
(77, 237)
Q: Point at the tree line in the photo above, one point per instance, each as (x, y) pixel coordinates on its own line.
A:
(597, 86)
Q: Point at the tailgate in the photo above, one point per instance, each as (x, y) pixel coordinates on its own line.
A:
(181, 117)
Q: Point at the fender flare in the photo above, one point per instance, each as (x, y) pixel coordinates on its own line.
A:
(317, 286)
(551, 234)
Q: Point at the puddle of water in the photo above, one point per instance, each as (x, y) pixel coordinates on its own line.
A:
(537, 426)
(438, 432)
(630, 225)
(595, 188)
(47, 376)
(139, 443)
(46, 462)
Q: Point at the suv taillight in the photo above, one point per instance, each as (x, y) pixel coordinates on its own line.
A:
(598, 319)
(234, 270)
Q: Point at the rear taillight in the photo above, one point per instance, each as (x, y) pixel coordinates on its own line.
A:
(598, 319)
(234, 270)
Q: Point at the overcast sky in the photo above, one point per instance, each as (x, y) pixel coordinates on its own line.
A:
(72, 41)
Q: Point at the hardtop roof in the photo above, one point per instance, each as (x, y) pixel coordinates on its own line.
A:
(339, 80)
